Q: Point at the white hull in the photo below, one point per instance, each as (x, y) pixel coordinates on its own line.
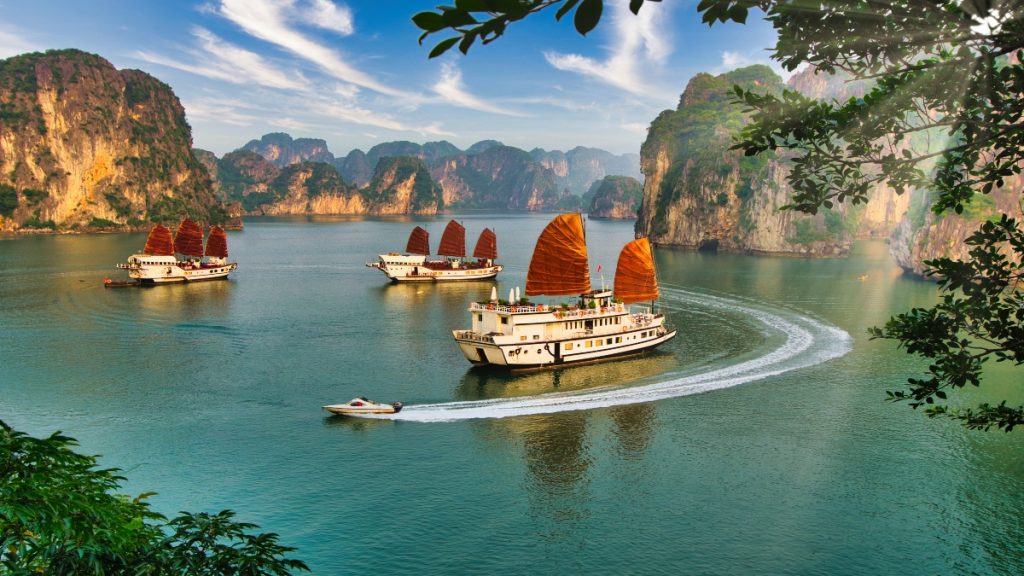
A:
(148, 269)
(537, 336)
(402, 268)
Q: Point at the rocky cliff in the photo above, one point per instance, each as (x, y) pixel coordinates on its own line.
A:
(700, 194)
(280, 149)
(580, 167)
(616, 197)
(402, 185)
(85, 146)
(923, 235)
(500, 177)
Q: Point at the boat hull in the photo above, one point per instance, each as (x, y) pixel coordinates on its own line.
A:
(529, 337)
(366, 407)
(154, 270)
(403, 268)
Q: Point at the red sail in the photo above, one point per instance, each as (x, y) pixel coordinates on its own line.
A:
(559, 265)
(453, 241)
(217, 243)
(189, 240)
(160, 242)
(635, 280)
(487, 245)
(419, 242)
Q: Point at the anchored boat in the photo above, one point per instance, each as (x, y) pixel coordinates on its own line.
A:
(415, 267)
(159, 262)
(598, 325)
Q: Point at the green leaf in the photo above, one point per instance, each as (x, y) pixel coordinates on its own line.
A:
(429, 21)
(472, 5)
(565, 8)
(443, 46)
(588, 15)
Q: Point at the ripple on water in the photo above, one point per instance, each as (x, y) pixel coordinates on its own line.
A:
(794, 341)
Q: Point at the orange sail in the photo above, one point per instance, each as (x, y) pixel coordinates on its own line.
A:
(559, 265)
(419, 242)
(160, 242)
(453, 241)
(486, 245)
(189, 240)
(635, 280)
(217, 243)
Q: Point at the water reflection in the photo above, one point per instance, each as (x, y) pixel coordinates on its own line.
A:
(557, 449)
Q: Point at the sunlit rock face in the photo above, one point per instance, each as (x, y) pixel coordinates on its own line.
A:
(86, 146)
(700, 194)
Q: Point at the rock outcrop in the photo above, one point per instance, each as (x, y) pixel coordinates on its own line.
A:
(500, 177)
(923, 235)
(615, 197)
(700, 194)
(280, 149)
(85, 146)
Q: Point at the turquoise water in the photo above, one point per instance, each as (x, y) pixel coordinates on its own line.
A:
(756, 442)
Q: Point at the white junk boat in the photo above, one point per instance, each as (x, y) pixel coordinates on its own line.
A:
(158, 264)
(597, 326)
(363, 405)
(414, 266)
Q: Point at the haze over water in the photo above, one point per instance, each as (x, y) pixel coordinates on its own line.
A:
(757, 441)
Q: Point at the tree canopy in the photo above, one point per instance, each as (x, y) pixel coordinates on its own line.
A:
(943, 115)
(61, 514)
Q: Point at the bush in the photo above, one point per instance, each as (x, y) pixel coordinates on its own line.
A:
(8, 199)
(61, 515)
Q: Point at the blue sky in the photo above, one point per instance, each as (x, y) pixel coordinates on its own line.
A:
(351, 72)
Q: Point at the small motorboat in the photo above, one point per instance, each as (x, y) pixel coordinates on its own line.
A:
(363, 405)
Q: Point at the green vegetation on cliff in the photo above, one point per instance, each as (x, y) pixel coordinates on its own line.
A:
(698, 134)
(118, 137)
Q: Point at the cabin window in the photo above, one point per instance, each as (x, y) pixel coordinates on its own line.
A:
(522, 338)
(568, 345)
(609, 341)
(536, 336)
(589, 343)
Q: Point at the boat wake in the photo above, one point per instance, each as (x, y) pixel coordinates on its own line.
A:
(805, 342)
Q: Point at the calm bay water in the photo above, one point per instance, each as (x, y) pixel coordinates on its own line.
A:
(762, 450)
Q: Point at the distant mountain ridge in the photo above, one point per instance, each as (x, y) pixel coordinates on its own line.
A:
(487, 175)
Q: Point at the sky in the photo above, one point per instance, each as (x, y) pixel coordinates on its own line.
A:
(351, 72)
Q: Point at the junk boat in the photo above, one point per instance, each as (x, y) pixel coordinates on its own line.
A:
(415, 267)
(159, 264)
(363, 405)
(599, 325)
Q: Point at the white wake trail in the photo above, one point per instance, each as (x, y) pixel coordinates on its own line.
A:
(807, 342)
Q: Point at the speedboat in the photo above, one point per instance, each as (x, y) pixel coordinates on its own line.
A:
(363, 405)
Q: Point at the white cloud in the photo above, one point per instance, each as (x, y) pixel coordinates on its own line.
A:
(12, 44)
(636, 40)
(734, 60)
(219, 110)
(269, 20)
(224, 61)
(329, 16)
(450, 87)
